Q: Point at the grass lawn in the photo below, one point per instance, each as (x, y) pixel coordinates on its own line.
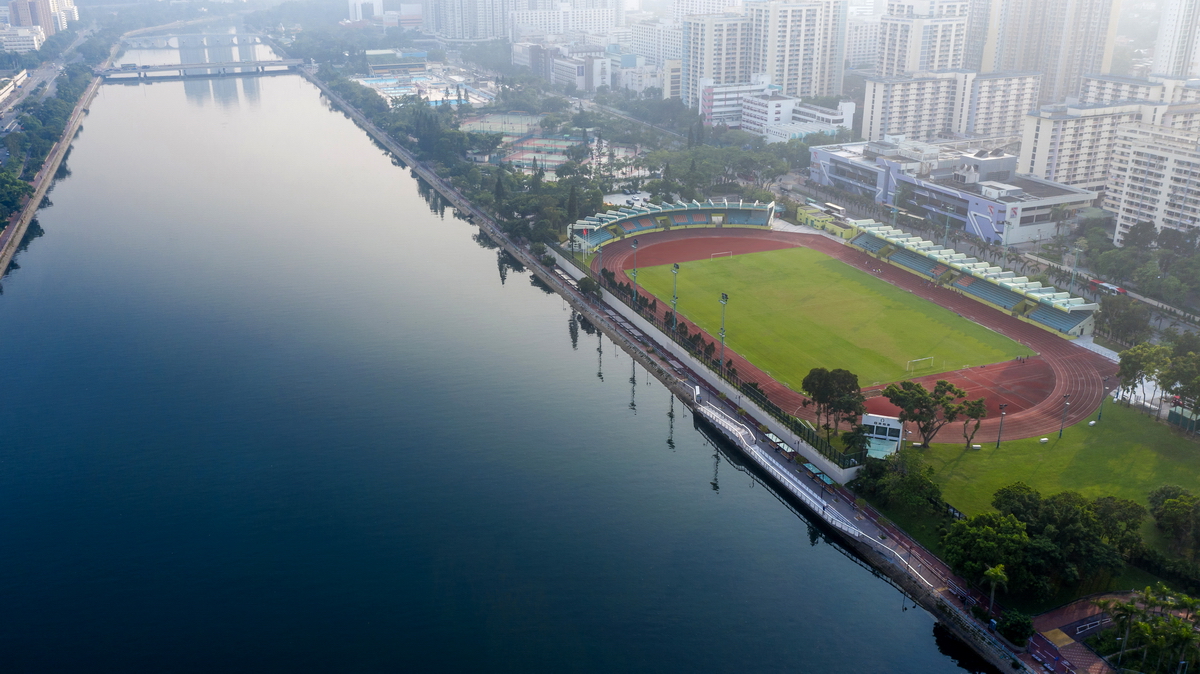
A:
(795, 309)
(1126, 454)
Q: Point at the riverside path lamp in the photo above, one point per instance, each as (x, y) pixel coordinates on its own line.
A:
(1001, 432)
(724, 301)
(1066, 406)
(674, 297)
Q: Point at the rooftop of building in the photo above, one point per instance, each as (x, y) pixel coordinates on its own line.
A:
(1031, 188)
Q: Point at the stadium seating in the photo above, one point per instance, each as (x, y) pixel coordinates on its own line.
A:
(989, 292)
(1059, 320)
(917, 263)
(595, 237)
(869, 243)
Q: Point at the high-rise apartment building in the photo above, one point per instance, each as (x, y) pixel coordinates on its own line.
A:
(862, 41)
(920, 35)
(34, 13)
(797, 45)
(1154, 177)
(658, 41)
(1073, 144)
(682, 8)
(470, 20)
(565, 19)
(1062, 39)
(1154, 89)
(1177, 49)
(948, 103)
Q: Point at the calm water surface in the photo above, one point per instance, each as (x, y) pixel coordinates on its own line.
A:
(264, 409)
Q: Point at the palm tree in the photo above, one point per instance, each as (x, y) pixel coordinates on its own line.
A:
(1124, 612)
(996, 576)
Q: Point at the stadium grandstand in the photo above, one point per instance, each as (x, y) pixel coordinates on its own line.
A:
(600, 229)
(1045, 306)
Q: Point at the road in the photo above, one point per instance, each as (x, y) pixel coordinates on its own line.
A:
(45, 74)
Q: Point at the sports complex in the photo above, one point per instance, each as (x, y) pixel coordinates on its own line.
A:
(868, 298)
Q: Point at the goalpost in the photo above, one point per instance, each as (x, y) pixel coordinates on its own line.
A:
(918, 364)
(728, 253)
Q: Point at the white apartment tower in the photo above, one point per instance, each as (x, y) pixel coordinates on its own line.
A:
(1062, 39)
(471, 20)
(715, 50)
(862, 40)
(1177, 49)
(920, 35)
(1154, 178)
(799, 45)
(682, 8)
(658, 41)
(949, 103)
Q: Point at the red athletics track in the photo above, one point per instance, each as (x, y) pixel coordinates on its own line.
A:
(1033, 389)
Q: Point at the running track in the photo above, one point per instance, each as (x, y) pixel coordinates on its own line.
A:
(1033, 389)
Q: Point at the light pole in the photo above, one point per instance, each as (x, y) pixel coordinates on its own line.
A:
(635, 292)
(1066, 406)
(674, 297)
(724, 301)
(1100, 415)
(1001, 432)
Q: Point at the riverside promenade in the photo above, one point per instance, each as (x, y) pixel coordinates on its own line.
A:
(912, 569)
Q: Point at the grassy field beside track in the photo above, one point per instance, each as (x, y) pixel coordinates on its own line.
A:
(795, 309)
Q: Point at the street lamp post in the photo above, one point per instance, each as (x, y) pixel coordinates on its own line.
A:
(675, 297)
(724, 301)
(1066, 406)
(1001, 432)
(1100, 415)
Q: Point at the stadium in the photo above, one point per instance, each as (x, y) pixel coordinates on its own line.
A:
(862, 296)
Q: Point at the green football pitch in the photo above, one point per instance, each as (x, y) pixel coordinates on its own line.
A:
(795, 309)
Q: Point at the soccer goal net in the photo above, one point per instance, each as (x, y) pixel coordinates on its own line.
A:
(918, 364)
(727, 253)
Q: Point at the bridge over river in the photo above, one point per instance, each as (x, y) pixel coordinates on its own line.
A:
(200, 69)
(192, 40)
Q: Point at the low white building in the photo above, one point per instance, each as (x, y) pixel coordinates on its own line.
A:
(721, 104)
(23, 39)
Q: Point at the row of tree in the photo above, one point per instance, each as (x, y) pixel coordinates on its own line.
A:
(1152, 371)
(1154, 631)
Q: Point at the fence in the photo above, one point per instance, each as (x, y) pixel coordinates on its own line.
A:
(750, 389)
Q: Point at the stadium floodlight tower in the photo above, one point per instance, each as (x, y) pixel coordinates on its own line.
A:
(635, 292)
(1000, 433)
(675, 298)
(1100, 415)
(724, 301)
(1066, 406)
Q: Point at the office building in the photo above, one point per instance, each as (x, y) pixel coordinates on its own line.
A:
(20, 40)
(1062, 39)
(1154, 177)
(976, 190)
(947, 104)
(1177, 49)
(922, 35)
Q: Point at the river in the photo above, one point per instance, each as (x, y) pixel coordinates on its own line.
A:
(264, 407)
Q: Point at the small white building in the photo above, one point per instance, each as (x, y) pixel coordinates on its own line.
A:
(23, 39)
(885, 433)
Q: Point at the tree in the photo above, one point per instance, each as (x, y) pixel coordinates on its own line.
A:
(929, 410)
(1140, 236)
(1015, 626)
(589, 287)
(1120, 522)
(835, 394)
(971, 410)
(1123, 317)
(996, 576)
(985, 541)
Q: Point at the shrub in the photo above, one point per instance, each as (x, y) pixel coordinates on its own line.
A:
(1016, 627)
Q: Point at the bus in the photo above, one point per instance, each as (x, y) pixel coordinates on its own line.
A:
(834, 209)
(1101, 287)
